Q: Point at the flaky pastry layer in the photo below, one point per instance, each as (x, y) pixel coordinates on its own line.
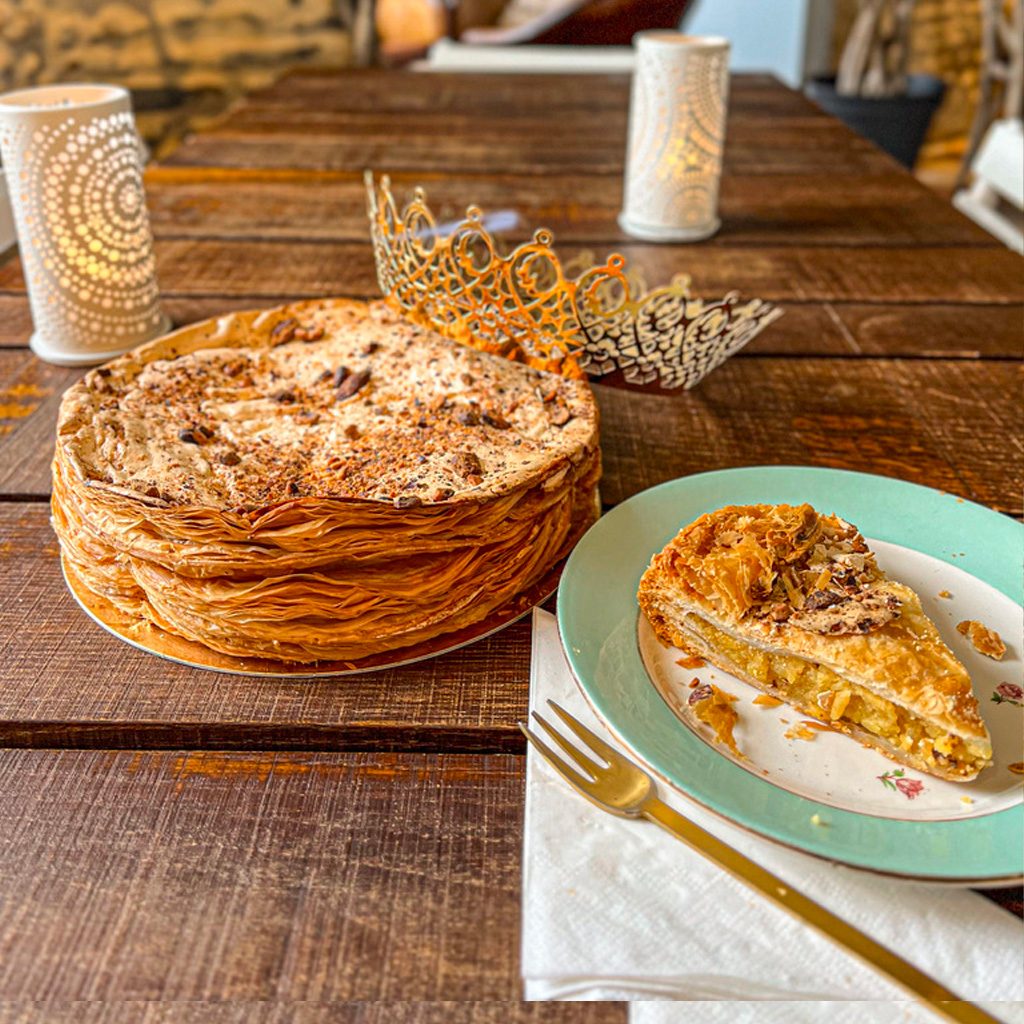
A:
(309, 523)
(794, 603)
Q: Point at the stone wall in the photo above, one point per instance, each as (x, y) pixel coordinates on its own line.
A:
(184, 60)
(946, 42)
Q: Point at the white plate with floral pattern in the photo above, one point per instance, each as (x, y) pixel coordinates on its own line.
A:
(823, 793)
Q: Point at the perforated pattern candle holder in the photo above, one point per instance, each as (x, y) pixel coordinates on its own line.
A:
(74, 172)
(676, 134)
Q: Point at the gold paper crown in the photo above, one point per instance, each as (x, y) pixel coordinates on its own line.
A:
(523, 306)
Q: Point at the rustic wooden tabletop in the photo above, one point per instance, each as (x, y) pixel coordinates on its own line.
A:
(167, 833)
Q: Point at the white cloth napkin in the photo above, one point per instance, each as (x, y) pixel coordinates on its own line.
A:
(618, 909)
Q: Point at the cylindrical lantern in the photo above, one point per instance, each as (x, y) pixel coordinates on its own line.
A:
(676, 133)
(74, 172)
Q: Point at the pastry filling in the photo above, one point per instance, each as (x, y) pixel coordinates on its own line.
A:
(821, 693)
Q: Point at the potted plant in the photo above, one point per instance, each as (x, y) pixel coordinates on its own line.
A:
(872, 91)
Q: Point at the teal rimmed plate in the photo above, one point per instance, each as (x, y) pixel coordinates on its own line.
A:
(829, 798)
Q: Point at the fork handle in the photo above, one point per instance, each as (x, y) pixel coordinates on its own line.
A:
(895, 968)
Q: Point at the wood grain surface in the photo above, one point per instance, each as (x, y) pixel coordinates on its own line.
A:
(182, 875)
(172, 834)
(242, 1011)
(249, 269)
(869, 209)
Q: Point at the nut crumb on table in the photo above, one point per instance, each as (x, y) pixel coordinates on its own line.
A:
(984, 640)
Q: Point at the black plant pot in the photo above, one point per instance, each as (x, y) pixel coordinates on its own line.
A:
(898, 124)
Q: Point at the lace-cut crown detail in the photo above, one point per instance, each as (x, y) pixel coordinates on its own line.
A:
(525, 307)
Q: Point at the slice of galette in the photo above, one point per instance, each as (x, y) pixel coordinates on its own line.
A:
(793, 602)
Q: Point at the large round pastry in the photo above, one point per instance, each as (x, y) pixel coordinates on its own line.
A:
(319, 482)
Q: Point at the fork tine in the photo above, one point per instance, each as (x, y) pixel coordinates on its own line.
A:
(574, 752)
(567, 772)
(592, 740)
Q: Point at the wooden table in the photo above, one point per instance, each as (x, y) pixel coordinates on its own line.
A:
(171, 834)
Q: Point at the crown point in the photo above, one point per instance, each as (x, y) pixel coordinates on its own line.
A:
(543, 237)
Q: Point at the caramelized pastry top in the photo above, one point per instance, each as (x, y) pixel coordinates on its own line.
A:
(329, 399)
(788, 578)
(788, 564)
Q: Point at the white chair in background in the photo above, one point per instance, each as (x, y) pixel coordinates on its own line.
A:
(995, 198)
(448, 55)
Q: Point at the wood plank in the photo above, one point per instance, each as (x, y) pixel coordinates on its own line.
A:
(181, 875)
(821, 329)
(954, 426)
(950, 424)
(398, 91)
(879, 209)
(930, 274)
(810, 145)
(251, 1012)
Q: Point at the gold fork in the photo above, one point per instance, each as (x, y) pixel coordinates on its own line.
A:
(621, 787)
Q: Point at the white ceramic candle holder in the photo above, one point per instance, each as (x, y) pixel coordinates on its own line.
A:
(676, 133)
(72, 159)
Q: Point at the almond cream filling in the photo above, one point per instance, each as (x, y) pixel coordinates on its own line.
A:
(820, 692)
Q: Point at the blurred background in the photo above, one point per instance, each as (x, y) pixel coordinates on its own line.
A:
(187, 60)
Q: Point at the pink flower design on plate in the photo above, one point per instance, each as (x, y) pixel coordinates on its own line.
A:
(1011, 693)
(910, 788)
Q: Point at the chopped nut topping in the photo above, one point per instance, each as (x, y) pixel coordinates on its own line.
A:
(984, 640)
(192, 436)
(467, 464)
(285, 397)
(406, 501)
(309, 333)
(229, 459)
(560, 414)
(351, 384)
(492, 419)
(283, 332)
